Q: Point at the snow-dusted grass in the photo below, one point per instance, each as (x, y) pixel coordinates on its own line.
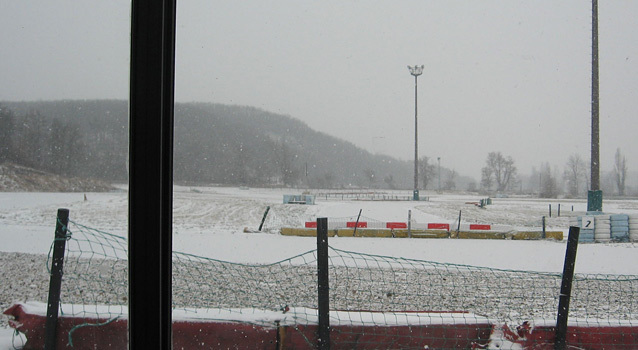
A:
(209, 221)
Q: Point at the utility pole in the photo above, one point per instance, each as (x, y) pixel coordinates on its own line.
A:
(595, 195)
(416, 71)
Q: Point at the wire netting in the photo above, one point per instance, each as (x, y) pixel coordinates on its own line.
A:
(371, 291)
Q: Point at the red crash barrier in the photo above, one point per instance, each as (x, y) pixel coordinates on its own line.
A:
(311, 224)
(578, 337)
(112, 334)
(394, 225)
(86, 333)
(435, 226)
(463, 336)
(480, 227)
(360, 224)
(207, 334)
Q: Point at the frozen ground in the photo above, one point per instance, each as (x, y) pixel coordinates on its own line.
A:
(210, 222)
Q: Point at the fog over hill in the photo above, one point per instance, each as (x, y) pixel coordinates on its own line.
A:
(214, 144)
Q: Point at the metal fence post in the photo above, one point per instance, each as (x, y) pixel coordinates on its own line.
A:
(356, 224)
(409, 223)
(264, 218)
(55, 281)
(323, 334)
(566, 288)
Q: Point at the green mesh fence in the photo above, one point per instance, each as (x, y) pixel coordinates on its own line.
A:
(95, 278)
(378, 293)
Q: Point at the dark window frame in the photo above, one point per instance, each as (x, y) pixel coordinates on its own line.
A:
(151, 116)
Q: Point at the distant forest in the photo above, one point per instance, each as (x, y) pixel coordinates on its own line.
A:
(214, 144)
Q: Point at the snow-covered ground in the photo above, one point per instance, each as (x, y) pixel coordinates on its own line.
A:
(210, 222)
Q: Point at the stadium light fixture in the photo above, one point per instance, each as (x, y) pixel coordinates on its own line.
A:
(416, 71)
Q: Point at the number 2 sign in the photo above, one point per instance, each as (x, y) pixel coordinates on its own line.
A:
(587, 223)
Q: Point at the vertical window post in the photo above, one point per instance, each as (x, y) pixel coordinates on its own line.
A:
(151, 173)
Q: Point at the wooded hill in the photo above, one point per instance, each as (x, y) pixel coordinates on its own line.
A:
(214, 144)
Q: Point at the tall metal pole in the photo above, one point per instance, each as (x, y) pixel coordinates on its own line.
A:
(595, 195)
(416, 71)
(595, 155)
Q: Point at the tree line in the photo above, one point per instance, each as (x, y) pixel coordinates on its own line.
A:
(213, 144)
(64, 146)
(238, 145)
(500, 175)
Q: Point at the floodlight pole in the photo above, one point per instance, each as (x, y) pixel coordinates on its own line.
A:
(595, 155)
(416, 71)
(595, 195)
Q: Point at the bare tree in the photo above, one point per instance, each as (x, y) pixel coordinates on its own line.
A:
(575, 174)
(427, 171)
(450, 182)
(325, 180)
(288, 172)
(389, 181)
(620, 171)
(370, 177)
(487, 178)
(500, 170)
(7, 122)
(549, 187)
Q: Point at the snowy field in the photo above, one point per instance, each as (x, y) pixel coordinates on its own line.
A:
(210, 222)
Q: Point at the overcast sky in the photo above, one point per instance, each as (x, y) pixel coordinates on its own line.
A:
(500, 75)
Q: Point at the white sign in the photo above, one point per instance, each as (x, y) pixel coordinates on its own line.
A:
(587, 223)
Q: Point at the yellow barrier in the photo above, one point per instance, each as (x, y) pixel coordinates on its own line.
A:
(303, 232)
(479, 235)
(526, 235)
(535, 235)
(387, 233)
(423, 233)
(364, 232)
(557, 235)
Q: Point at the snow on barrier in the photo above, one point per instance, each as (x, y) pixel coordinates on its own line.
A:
(370, 228)
(296, 328)
(581, 334)
(293, 328)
